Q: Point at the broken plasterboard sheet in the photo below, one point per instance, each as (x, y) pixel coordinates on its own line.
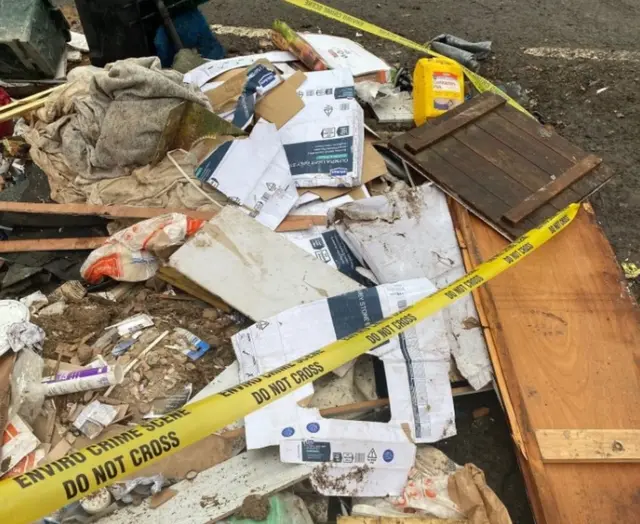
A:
(254, 269)
(325, 141)
(416, 362)
(202, 74)
(394, 108)
(253, 172)
(410, 234)
(219, 491)
(355, 458)
(338, 52)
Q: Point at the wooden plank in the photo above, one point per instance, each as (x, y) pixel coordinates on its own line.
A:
(253, 269)
(538, 153)
(290, 223)
(476, 196)
(461, 222)
(51, 244)
(561, 146)
(301, 222)
(547, 192)
(542, 134)
(104, 211)
(589, 445)
(173, 277)
(462, 115)
(513, 164)
(566, 330)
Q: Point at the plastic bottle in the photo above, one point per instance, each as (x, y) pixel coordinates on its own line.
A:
(438, 85)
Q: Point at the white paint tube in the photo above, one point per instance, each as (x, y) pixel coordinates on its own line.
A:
(83, 380)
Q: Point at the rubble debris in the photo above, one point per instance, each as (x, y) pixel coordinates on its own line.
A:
(190, 345)
(254, 507)
(97, 502)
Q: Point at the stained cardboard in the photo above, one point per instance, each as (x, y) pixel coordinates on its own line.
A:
(282, 103)
(372, 168)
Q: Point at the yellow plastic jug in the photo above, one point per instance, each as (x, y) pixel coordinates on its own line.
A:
(438, 85)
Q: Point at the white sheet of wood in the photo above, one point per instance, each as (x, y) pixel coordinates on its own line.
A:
(410, 234)
(254, 269)
(217, 492)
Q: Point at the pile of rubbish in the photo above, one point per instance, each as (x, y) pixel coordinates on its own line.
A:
(242, 216)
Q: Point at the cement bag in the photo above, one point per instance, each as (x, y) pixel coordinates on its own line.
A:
(132, 255)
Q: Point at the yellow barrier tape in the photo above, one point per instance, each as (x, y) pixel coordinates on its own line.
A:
(480, 83)
(40, 491)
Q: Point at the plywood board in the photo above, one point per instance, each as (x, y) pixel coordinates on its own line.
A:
(253, 269)
(506, 168)
(568, 341)
(589, 445)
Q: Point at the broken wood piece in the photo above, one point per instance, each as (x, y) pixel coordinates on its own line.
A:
(134, 363)
(290, 223)
(159, 499)
(548, 191)
(589, 445)
(173, 277)
(51, 244)
(301, 222)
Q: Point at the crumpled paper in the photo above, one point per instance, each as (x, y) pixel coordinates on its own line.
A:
(25, 335)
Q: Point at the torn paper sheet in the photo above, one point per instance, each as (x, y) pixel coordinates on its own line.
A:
(325, 141)
(209, 70)
(18, 441)
(94, 418)
(353, 457)
(253, 172)
(338, 52)
(31, 461)
(410, 234)
(416, 362)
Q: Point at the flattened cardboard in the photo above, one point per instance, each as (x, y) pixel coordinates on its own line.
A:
(373, 166)
(282, 103)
